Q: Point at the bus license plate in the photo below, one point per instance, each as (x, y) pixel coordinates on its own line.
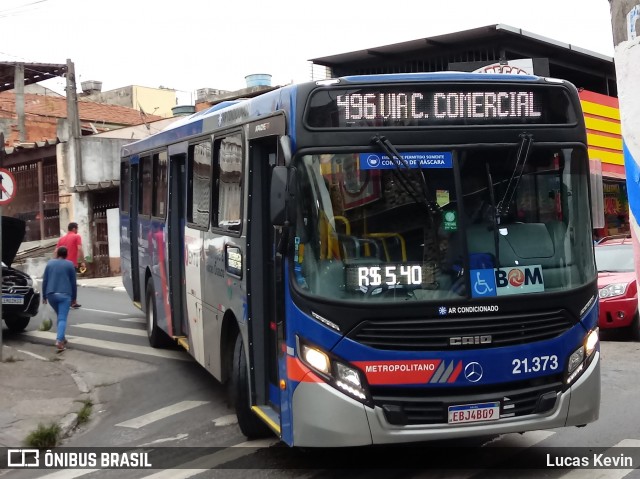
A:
(488, 411)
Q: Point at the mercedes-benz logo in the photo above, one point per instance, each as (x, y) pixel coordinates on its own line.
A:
(473, 372)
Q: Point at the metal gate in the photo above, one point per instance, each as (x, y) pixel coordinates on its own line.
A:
(37, 202)
(102, 201)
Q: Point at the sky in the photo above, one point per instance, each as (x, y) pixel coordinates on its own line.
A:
(191, 44)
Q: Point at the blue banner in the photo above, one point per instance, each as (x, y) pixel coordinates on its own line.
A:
(411, 159)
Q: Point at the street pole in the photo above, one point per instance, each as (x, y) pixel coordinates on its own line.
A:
(625, 25)
(7, 193)
(1, 317)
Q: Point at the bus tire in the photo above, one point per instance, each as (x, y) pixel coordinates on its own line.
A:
(250, 425)
(154, 334)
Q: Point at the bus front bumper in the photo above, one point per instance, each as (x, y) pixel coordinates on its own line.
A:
(324, 417)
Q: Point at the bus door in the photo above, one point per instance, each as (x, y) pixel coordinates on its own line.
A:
(133, 228)
(175, 235)
(265, 281)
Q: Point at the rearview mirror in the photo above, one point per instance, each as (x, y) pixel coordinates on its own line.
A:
(283, 188)
(285, 147)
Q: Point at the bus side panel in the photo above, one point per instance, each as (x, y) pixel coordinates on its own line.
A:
(153, 261)
(194, 277)
(125, 253)
(298, 324)
(132, 276)
(213, 299)
(211, 325)
(222, 294)
(144, 253)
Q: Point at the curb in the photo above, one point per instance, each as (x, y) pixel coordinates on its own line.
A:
(70, 422)
(102, 286)
(119, 288)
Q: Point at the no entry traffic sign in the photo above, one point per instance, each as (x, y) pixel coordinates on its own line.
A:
(7, 186)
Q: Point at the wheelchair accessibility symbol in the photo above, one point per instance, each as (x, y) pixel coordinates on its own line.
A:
(483, 283)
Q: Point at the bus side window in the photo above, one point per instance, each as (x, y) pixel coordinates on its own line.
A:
(125, 187)
(228, 183)
(159, 197)
(199, 199)
(146, 185)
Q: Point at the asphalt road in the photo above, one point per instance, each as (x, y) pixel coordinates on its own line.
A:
(148, 398)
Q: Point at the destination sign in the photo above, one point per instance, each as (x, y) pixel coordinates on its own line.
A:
(432, 105)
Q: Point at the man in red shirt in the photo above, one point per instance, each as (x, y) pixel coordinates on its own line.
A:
(73, 242)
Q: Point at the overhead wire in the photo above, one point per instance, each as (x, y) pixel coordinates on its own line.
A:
(21, 9)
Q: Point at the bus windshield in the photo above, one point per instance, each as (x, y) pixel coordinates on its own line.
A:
(422, 225)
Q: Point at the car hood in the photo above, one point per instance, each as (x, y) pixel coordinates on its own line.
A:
(12, 235)
(605, 278)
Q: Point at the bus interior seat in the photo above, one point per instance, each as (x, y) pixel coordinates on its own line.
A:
(393, 245)
(354, 248)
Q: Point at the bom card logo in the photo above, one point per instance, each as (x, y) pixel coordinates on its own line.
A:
(505, 281)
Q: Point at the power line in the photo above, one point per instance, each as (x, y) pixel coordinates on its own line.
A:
(22, 9)
(17, 57)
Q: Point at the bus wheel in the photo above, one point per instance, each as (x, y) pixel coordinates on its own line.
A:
(250, 425)
(153, 332)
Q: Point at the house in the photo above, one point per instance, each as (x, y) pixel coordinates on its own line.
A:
(64, 159)
(149, 101)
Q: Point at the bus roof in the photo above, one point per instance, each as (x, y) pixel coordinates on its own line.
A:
(220, 115)
(228, 113)
(439, 76)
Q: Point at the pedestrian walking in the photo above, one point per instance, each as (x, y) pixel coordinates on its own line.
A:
(73, 242)
(59, 289)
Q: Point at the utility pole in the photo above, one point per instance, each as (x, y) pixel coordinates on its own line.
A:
(73, 118)
(18, 84)
(625, 25)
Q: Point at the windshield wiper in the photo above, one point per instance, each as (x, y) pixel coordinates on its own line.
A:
(407, 175)
(495, 218)
(526, 140)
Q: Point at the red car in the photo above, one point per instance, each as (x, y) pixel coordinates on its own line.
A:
(617, 286)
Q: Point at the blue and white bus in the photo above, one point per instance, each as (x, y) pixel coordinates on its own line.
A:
(375, 259)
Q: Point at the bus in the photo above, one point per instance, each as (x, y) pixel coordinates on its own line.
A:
(375, 259)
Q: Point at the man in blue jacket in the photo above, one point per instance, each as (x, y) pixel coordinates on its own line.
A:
(59, 290)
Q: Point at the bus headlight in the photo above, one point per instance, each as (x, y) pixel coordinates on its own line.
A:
(575, 360)
(591, 342)
(335, 371)
(315, 358)
(581, 357)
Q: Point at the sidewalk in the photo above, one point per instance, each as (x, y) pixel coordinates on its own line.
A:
(37, 387)
(113, 282)
(40, 386)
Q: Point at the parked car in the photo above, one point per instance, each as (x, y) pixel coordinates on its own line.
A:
(618, 290)
(20, 298)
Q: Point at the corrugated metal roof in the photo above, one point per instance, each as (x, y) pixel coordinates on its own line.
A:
(29, 145)
(33, 73)
(450, 40)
